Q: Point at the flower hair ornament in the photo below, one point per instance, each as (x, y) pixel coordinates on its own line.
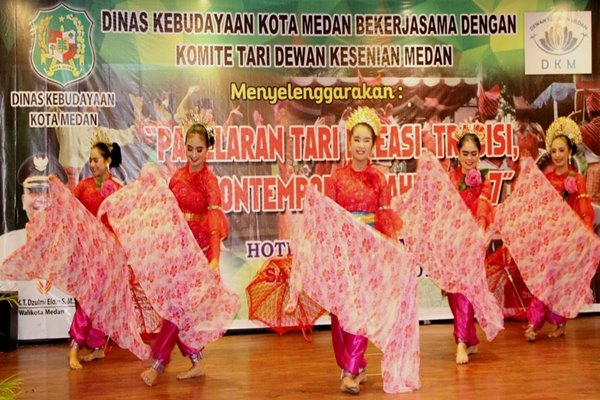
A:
(364, 115)
(470, 127)
(563, 126)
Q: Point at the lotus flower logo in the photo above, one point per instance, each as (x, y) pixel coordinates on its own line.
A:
(558, 40)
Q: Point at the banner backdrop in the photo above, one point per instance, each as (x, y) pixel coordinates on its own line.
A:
(277, 80)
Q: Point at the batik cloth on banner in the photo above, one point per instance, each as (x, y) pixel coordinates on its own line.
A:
(67, 245)
(167, 261)
(554, 250)
(446, 241)
(366, 279)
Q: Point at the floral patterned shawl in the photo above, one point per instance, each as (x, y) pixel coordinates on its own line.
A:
(366, 279)
(554, 250)
(444, 238)
(167, 261)
(67, 245)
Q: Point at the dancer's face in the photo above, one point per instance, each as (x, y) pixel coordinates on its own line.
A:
(468, 156)
(560, 153)
(98, 164)
(361, 143)
(196, 151)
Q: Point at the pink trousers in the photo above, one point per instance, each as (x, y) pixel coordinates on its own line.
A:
(349, 349)
(538, 313)
(464, 319)
(83, 333)
(165, 341)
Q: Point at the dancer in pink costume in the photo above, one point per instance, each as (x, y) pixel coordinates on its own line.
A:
(562, 137)
(475, 191)
(91, 192)
(197, 192)
(361, 189)
(367, 280)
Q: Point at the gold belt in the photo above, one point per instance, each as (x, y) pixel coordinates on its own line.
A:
(193, 217)
(366, 218)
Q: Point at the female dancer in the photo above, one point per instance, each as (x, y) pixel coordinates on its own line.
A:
(562, 137)
(475, 191)
(360, 189)
(197, 192)
(91, 192)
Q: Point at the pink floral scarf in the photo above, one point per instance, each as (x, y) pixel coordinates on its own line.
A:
(554, 250)
(363, 277)
(444, 238)
(167, 261)
(67, 245)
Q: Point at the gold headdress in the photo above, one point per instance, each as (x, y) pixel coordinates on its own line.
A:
(364, 115)
(473, 127)
(198, 116)
(563, 126)
(101, 137)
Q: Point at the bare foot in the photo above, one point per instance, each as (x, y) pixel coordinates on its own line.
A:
(558, 332)
(149, 376)
(472, 350)
(74, 358)
(93, 355)
(462, 356)
(196, 370)
(530, 334)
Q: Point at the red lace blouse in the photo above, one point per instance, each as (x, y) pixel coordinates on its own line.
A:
(476, 198)
(199, 198)
(91, 195)
(365, 191)
(579, 201)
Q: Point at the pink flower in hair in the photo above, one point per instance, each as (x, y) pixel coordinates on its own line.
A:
(473, 178)
(108, 187)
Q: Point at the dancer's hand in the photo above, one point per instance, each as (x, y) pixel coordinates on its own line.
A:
(235, 113)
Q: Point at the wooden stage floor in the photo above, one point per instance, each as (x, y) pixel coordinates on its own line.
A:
(266, 366)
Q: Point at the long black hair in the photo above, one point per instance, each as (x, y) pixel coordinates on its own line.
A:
(114, 152)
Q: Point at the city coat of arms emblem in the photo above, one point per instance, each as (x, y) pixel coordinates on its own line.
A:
(62, 48)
